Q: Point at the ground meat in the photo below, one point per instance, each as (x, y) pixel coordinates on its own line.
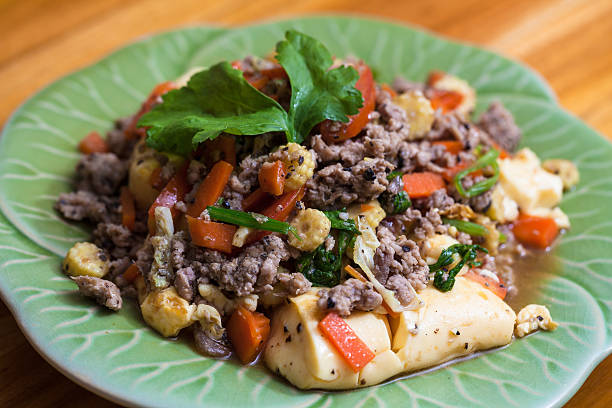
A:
(116, 238)
(414, 225)
(400, 85)
(195, 172)
(350, 295)
(500, 126)
(439, 199)
(454, 126)
(401, 285)
(423, 156)
(253, 270)
(101, 173)
(103, 291)
(85, 205)
(144, 256)
(399, 256)
(243, 183)
(291, 284)
(208, 346)
(336, 186)
(117, 142)
(184, 282)
(479, 203)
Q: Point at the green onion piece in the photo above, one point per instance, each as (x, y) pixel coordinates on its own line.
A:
(444, 280)
(394, 174)
(489, 159)
(471, 228)
(250, 220)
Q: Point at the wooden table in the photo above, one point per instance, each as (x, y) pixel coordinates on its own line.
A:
(568, 42)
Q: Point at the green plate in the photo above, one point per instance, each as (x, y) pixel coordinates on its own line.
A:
(118, 357)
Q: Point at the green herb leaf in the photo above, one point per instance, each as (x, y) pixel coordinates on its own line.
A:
(488, 159)
(250, 220)
(395, 203)
(342, 224)
(317, 92)
(445, 280)
(215, 100)
(394, 174)
(322, 267)
(471, 228)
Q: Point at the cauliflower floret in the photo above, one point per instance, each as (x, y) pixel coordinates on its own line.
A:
(532, 318)
(167, 312)
(299, 164)
(564, 169)
(419, 112)
(84, 258)
(312, 227)
(448, 82)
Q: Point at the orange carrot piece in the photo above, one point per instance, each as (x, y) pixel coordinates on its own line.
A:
(272, 178)
(389, 90)
(210, 234)
(256, 200)
(211, 188)
(435, 76)
(344, 339)
(93, 143)
(496, 287)
(128, 212)
(278, 210)
(450, 172)
(503, 154)
(419, 185)
(451, 146)
(539, 232)
(131, 273)
(172, 193)
(133, 131)
(354, 273)
(366, 207)
(445, 100)
(248, 332)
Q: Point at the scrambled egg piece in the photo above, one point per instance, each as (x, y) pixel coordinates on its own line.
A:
(419, 112)
(312, 227)
(84, 258)
(531, 318)
(167, 312)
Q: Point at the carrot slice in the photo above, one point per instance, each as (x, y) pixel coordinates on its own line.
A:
(419, 185)
(272, 178)
(354, 273)
(445, 100)
(93, 143)
(503, 154)
(256, 200)
(248, 332)
(210, 234)
(435, 76)
(344, 339)
(133, 131)
(539, 232)
(451, 146)
(389, 90)
(171, 194)
(494, 286)
(278, 210)
(211, 188)
(128, 212)
(131, 273)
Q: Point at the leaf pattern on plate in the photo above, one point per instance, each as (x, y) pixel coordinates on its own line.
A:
(117, 356)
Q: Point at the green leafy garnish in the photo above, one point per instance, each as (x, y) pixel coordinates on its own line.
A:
(471, 228)
(322, 267)
(488, 159)
(444, 280)
(397, 203)
(219, 99)
(342, 224)
(394, 174)
(250, 220)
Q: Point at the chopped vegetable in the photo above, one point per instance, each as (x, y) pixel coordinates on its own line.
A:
(250, 220)
(338, 221)
(389, 90)
(322, 267)
(211, 188)
(174, 192)
(210, 234)
(279, 210)
(248, 332)
(221, 148)
(471, 228)
(420, 185)
(495, 286)
(333, 132)
(451, 146)
(256, 200)
(538, 232)
(93, 143)
(450, 172)
(131, 273)
(444, 280)
(272, 177)
(128, 211)
(344, 339)
(445, 100)
(354, 273)
(134, 129)
(488, 159)
(394, 174)
(208, 104)
(398, 203)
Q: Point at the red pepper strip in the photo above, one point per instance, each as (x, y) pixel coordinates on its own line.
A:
(331, 132)
(174, 192)
(256, 200)
(278, 210)
(132, 130)
(211, 188)
(210, 234)
(344, 339)
(272, 177)
(445, 100)
(128, 212)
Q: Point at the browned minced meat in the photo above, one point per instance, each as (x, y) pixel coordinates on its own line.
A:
(291, 284)
(208, 346)
(103, 291)
(101, 173)
(397, 255)
(336, 186)
(454, 126)
(184, 282)
(401, 85)
(439, 199)
(479, 203)
(500, 126)
(116, 238)
(416, 225)
(243, 182)
(85, 205)
(116, 140)
(350, 295)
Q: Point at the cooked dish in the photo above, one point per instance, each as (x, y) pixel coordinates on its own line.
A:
(292, 208)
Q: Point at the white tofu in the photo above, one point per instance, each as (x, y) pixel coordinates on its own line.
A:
(503, 208)
(434, 245)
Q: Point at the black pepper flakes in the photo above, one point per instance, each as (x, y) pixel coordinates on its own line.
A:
(301, 160)
(285, 329)
(330, 303)
(299, 328)
(405, 248)
(363, 381)
(369, 175)
(466, 346)
(540, 318)
(436, 331)
(288, 339)
(333, 371)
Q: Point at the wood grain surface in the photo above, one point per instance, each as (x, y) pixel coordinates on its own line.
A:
(568, 42)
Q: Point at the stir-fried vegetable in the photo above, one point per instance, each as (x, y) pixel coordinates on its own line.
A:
(210, 234)
(272, 178)
(471, 228)
(250, 220)
(211, 188)
(128, 210)
(207, 106)
(539, 232)
(174, 192)
(445, 100)
(322, 267)
(488, 159)
(495, 286)
(421, 185)
(451, 146)
(444, 279)
(248, 332)
(344, 339)
(93, 143)
(256, 200)
(340, 220)
(397, 203)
